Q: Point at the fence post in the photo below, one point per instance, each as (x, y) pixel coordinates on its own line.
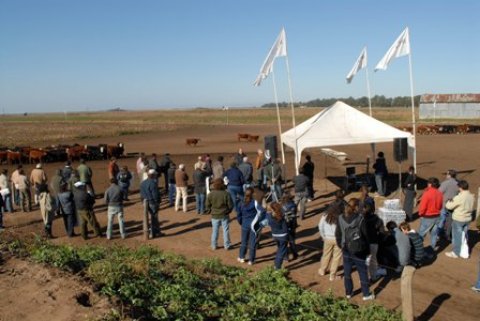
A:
(407, 293)
(145, 220)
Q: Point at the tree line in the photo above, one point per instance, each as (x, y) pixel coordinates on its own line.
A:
(377, 101)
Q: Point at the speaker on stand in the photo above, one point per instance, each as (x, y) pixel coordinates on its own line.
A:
(400, 154)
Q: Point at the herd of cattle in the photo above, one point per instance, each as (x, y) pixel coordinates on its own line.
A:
(443, 129)
(58, 153)
(247, 137)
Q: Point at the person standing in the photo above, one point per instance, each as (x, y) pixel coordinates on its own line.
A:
(365, 200)
(181, 186)
(247, 171)
(238, 158)
(23, 186)
(462, 207)
(46, 209)
(381, 174)
(449, 188)
(375, 230)
(113, 169)
(199, 187)
(114, 196)
(14, 180)
(476, 287)
(302, 183)
(308, 170)
(217, 168)
(84, 201)
(124, 178)
(259, 168)
(85, 174)
(273, 172)
(429, 211)
(171, 184)
(67, 205)
(351, 237)
(289, 211)
(234, 178)
(149, 192)
(153, 164)
(332, 253)
(67, 171)
(38, 177)
(245, 217)
(219, 204)
(164, 167)
(5, 191)
(277, 223)
(55, 183)
(409, 192)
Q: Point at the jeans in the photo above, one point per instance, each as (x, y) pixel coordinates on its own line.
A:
(445, 224)
(457, 229)
(125, 188)
(171, 194)
(380, 182)
(429, 224)
(236, 193)
(248, 238)
(281, 252)
(200, 202)
(300, 200)
(25, 200)
(181, 193)
(349, 260)
(1, 217)
(118, 211)
(278, 191)
(155, 225)
(7, 200)
(477, 285)
(216, 222)
(69, 222)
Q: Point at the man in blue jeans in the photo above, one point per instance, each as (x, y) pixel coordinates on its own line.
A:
(462, 206)
(235, 181)
(219, 204)
(429, 211)
(449, 189)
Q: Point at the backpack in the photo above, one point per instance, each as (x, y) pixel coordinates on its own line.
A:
(290, 213)
(355, 242)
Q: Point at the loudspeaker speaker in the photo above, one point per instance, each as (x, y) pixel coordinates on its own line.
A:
(400, 149)
(271, 145)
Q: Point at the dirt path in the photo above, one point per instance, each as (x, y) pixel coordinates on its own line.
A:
(441, 289)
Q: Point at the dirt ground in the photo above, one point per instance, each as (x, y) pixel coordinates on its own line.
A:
(441, 289)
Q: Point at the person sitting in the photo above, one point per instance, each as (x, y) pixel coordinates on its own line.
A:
(417, 252)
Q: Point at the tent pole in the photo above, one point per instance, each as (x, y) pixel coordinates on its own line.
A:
(368, 92)
(278, 118)
(293, 115)
(413, 113)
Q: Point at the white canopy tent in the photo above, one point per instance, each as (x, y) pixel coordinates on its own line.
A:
(341, 124)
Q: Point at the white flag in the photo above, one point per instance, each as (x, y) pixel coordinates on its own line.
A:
(359, 65)
(401, 47)
(279, 49)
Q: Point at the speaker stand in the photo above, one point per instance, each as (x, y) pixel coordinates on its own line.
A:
(399, 176)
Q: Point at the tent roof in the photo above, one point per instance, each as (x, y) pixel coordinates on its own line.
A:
(341, 124)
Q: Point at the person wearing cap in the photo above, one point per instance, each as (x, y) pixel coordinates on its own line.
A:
(449, 189)
(113, 168)
(38, 177)
(181, 183)
(149, 192)
(199, 186)
(429, 211)
(123, 178)
(84, 200)
(114, 196)
(247, 170)
(462, 207)
(67, 208)
(5, 191)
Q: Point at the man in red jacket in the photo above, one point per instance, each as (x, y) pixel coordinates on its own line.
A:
(429, 210)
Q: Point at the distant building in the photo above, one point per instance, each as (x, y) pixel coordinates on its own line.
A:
(459, 106)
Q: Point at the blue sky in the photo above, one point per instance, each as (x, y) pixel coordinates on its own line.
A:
(58, 55)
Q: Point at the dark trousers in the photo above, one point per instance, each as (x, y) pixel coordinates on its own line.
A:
(69, 221)
(87, 217)
(248, 238)
(281, 252)
(292, 247)
(153, 211)
(408, 203)
(350, 260)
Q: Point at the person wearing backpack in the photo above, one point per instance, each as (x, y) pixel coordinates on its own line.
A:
(289, 210)
(351, 237)
(417, 252)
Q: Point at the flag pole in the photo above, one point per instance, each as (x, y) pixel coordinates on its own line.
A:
(413, 112)
(368, 92)
(293, 114)
(278, 117)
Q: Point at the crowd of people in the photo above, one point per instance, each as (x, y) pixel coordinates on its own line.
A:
(353, 235)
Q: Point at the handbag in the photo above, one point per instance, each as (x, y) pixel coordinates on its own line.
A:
(464, 247)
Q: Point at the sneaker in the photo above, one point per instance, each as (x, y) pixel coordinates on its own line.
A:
(381, 272)
(348, 296)
(321, 272)
(240, 260)
(250, 263)
(369, 297)
(474, 288)
(452, 255)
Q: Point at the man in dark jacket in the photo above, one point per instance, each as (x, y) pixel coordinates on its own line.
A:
(149, 192)
(302, 183)
(381, 174)
(67, 171)
(114, 197)
(247, 171)
(164, 167)
(308, 169)
(171, 184)
(84, 201)
(235, 181)
(55, 184)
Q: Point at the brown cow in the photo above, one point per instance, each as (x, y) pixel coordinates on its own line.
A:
(75, 152)
(253, 138)
(14, 157)
(3, 156)
(192, 141)
(36, 155)
(243, 136)
(463, 129)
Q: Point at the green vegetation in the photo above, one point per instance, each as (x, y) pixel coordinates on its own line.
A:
(377, 101)
(153, 285)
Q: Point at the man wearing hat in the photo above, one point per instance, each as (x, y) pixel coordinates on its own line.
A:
(149, 192)
(84, 201)
(38, 178)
